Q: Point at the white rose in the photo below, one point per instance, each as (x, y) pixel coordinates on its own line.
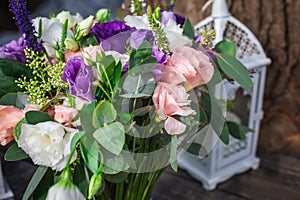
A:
(51, 32)
(47, 143)
(61, 192)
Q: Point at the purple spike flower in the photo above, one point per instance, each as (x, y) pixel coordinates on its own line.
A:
(23, 21)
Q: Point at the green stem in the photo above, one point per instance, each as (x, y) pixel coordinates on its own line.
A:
(104, 91)
(107, 79)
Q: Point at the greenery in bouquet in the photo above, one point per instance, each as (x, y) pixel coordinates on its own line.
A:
(103, 106)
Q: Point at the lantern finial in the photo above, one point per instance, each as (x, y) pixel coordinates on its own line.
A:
(220, 9)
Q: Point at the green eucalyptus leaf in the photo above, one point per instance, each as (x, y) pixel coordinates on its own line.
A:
(17, 129)
(81, 177)
(235, 70)
(89, 149)
(11, 70)
(214, 111)
(173, 153)
(224, 136)
(35, 117)
(197, 149)
(41, 191)
(111, 137)
(226, 47)
(15, 153)
(88, 40)
(114, 164)
(106, 68)
(142, 111)
(103, 114)
(86, 118)
(9, 99)
(188, 29)
(75, 140)
(34, 182)
(139, 86)
(236, 130)
(117, 178)
(142, 56)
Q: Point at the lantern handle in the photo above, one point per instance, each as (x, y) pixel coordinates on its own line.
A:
(219, 8)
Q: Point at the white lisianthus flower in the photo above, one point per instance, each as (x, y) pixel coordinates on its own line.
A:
(123, 58)
(139, 22)
(64, 189)
(172, 29)
(57, 192)
(47, 143)
(72, 19)
(51, 32)
(175, 36)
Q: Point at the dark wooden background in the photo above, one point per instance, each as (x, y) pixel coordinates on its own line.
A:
(276, 23)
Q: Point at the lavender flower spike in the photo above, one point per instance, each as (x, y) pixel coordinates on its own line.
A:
(23, 21)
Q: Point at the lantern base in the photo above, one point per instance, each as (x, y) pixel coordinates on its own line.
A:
(210, 180)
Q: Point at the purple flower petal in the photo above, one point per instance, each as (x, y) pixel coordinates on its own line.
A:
(140, 36)
(14, 50)
(103, 31)
(159, 55)
(166, 16)
(80, 78)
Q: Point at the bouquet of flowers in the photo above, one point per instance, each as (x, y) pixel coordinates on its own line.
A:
(101, 105)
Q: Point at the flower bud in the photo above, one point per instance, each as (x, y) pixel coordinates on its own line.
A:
(157, 13)
(71, 44)
(84, 27)
(103, 15)
(64, 189)
(94, 185)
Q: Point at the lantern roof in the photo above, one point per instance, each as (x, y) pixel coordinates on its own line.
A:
(249, 49)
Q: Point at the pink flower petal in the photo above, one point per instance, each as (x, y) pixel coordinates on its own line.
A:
(174, 127)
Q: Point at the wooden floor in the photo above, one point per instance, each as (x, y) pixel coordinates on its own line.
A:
(278, 178)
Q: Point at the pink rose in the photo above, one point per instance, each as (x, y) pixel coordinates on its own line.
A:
(9, 117)
(64, 114)
(70, 54)
(171, 100)
(189, 66)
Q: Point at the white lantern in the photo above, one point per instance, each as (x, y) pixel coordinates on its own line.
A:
(224, 161)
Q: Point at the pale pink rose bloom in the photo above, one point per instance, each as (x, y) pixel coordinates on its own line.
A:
(31, 107)
(189, 66)
(92, 54)
(171, 100)
(70, 54)
(64, 114)
(9, 117)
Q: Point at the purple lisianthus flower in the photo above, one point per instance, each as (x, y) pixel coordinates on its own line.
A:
(80, 78)
(117, 42)
(125, 67)
(180, 19)
(139, 36)
(167, 15)
(161, 58)
(103, 31)
(14, 50)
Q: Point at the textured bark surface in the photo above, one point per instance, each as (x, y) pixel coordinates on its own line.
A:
(277, 26)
